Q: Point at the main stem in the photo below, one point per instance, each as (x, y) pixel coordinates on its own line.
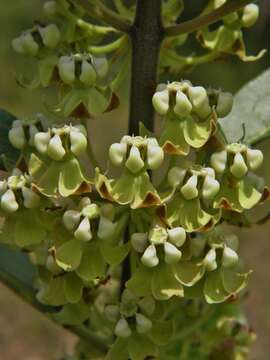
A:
(146, 36)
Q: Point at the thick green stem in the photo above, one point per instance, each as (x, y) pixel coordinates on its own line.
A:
(146, 36)
(205, 20)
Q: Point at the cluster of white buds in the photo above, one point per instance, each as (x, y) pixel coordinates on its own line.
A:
(136, 153)
(229, 257)
(170, 239)
(186, 100)
(22, 134)
(81, 67)
(131, 315)
(79, 221)
(56, 142)
(194, 182)
(238, 158)
(15, 190)
(30, 41)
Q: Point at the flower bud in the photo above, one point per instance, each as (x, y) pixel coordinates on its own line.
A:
(101, 66)
(122, 328)
(183, 106)
(155, 156)
(189, 190)
(250, 15)
(55, 148)
(134, 162)
(177, 236)
(224, 104)
(83, 232)
(33, 130)
(139, 241)
(71, 219)
(229, 257)
(149, 257)
(78, 143)
(172, 254)
(254, 158)
(112, 312)
(50, 35)
(88, 74)
(143, 324)
(176, 176)
(3, 186)
(117, 153)
(8, 202)
(50, 8)
(106, 228)
(200, 101)
(66, 68)
(16, 137)
(30, 198)
(29, 46)
(232, 241)
(210, 188)
(41, 142)
(17, 45)
(210, 260)
(219, 161)
(239, 167)
(160, 102)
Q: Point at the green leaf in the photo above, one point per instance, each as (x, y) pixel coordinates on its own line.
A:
(140, 347)
(27, 230)
(251, 109)
(164, 283)
(8, 154)
(68, 256)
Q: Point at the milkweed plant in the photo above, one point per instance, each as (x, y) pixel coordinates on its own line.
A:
(139, 257)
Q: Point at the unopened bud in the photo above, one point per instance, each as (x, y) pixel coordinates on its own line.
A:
(143, 324)
(250, 15)
(117, 153)
(55, 148)
(149, 257)
(88, 74)
(17, 45)
(176, 176)
(16, 137)
(210, 260)
(210, 188)
(189, 190)
(66, 68)
(239, 167)
(160, 102)
(106, 228)
(232, 241)
(183, 106)
(8, 202)
(177, 236)
(83, 232)
(139, 241)
(29, 46)
(122, 328)
(229, 257)
(50, 35)
(30, 198)
(134, 162)
(219, 161)
(224, 104)
(172, 254)
(71, 219)
(200, 101)
(41, 142)
(254, 158)
(78, 143)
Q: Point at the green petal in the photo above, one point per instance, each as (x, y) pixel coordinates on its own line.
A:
(140, 282)
(188, 273)
(73, 288)
(162, 332)
(55, 293)
(70, 178)
(248, 195)
(196, 291)
(118, 350)
(27, 230)
(145, 193)
(140, 347)
(197, 133)
(68, 256)
(114, 255)
(233, 281)
(71, 101)
(214, 291)
(97, 102)
(72, 314)
(46, 69)
(92, 264)
(172, 138)
(124, 189)
(228, 198)
(164, 284)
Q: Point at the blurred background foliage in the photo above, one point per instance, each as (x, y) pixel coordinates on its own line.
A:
(24, 334)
